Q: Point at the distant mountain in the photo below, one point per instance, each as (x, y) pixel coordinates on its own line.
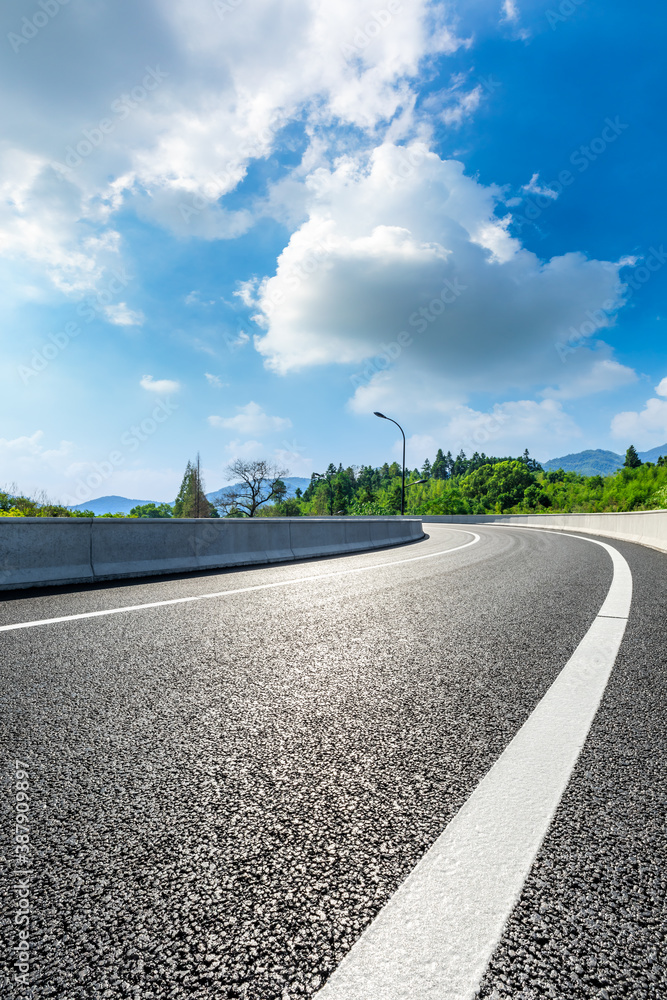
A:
(122, 505)
(598, 462)
(654, 454)
(291, 482)
(587, 463)
(111, 505)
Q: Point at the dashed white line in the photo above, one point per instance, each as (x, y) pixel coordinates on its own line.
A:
(239, 590)
(434, 938)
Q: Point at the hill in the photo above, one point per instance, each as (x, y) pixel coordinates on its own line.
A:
(598, 462)
(587, 463)
(111, 505)
(123, 505)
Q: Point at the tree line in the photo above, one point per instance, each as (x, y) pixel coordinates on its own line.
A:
(480, 484)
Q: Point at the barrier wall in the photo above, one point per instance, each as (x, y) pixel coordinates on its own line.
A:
(647, 527)
(41, 551)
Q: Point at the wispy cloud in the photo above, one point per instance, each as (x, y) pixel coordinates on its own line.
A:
(251, 419)
(121, 315)
(534, 187)
(161, 385)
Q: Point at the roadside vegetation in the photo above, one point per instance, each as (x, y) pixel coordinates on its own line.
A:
(481, 484)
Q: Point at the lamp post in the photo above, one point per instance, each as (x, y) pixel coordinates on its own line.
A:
(375, 412)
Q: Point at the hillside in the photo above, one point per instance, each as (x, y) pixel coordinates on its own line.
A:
(598, 462)
(111, 505)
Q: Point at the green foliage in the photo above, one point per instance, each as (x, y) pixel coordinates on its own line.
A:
(15, 505)
(151, 510)
(191, 500)
(632, 459)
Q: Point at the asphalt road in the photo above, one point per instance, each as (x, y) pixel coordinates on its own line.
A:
(224, 793)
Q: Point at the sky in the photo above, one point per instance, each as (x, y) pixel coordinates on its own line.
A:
(239, 227)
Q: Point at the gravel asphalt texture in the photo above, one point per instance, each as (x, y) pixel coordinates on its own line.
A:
(225, 793)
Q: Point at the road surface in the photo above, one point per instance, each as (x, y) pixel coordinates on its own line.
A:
(225, 792)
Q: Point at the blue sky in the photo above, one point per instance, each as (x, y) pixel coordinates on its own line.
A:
(239, 228)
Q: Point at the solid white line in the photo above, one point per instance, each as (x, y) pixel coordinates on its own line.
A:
(241, 590)
(434, 938)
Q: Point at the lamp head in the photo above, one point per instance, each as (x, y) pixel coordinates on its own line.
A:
(376, 414)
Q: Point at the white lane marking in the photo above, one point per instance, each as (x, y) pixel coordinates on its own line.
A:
(434, 938)
(241, 590)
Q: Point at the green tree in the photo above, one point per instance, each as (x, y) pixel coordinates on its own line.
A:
(191, 500)
(151, 510)
(257, 483)
(439, 469)
(632, 459)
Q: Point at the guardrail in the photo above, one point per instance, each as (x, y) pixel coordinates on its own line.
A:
(45, 551)
(647, 527)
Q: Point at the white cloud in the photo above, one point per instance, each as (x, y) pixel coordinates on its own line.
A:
(534, 187)
(121, 315)
(26, 462)
(510, 427)
(510, 16)
(463, 106)
(602, 376)
(510, 11)
(214, 380)
(648, 427)
(409, 268)
(245, 449)
(180, 133)
(162, 385)
(251, 419)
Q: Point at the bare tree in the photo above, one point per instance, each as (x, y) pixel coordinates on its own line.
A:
(257, 483)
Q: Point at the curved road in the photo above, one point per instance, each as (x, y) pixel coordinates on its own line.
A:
(226, 792)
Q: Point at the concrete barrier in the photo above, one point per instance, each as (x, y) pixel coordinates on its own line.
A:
(40, 551)
(647, 527)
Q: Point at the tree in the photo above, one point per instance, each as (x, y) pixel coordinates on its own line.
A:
(439, 468)
(460, 466)
(258, 482)
(151, 510)
(426, 469)
(191, 500)
(632, 459)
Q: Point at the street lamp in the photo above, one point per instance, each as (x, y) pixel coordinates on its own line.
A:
(403, 479)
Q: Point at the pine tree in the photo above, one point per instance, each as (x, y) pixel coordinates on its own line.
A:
(191, 500)
(632, 459)
(439, 468)
(426, 469)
